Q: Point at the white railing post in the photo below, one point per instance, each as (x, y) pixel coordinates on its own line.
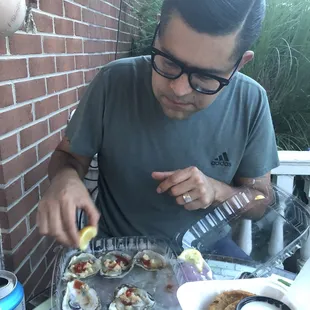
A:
(305, 250)
(245, 236)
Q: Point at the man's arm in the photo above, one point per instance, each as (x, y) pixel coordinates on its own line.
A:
(203, 192)
(260, 190)
(64, 160)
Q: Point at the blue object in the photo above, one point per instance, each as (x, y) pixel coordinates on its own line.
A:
(15, 300)
(227, 247)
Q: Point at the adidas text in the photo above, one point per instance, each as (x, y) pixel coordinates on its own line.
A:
(221, 163)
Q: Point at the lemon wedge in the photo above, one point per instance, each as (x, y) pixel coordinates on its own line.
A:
(86, 235)
(259, 197)
(194, 257)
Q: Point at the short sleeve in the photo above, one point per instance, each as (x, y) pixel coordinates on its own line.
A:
(260, 155)
(85, 130)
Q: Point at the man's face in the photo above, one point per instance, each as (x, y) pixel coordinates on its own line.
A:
(177, 98)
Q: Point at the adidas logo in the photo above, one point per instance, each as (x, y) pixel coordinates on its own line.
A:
(222, 160)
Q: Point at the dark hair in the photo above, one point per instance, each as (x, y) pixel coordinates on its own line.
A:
(220, 17)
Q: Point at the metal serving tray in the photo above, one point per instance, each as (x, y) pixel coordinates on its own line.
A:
(162, 284)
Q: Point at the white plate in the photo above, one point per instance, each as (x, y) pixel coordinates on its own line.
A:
(199, 295)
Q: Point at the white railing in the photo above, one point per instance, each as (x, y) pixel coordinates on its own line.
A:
(292, 164)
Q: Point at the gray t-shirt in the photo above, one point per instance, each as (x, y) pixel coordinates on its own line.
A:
(120, 119)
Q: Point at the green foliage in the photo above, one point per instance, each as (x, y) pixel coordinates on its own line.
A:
(281, 64)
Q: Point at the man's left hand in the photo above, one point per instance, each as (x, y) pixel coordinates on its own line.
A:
(190, 186)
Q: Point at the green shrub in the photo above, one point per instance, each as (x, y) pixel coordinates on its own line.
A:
(281, 64)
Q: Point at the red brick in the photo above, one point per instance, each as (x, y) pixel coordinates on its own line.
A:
(11, 240)
(11, 193)
(46, 106)
(25, 44)
(63, 26)
(6, 96)
(81, 30)
(44, 23)
(72, 11)
(89, 16)
(74, 45)
(30, 90)
(36, 174)
(56, 83)
(33, 218)
(65, 63)
(27, 246)
(41, 65)
(81, 92)
(58, 120)
(54, 45)
(81, 62)
(89, 75)
(40, 251)
(91, 46)
(13, 119)
(24, 272)
(32, 134)
(10, 218)
(98, 60)
(48, 145)
(2, 45)
(95, 5)
(16, 166)
(75, 79)
(111, 23)
(8, 147)
(101, 20)
(44, 186)
(82, 2)
(52, 6)
(67, 98)
(44, 282)
(13, 69)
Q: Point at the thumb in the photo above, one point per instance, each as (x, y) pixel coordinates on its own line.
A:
(162, 175)
(92, 213)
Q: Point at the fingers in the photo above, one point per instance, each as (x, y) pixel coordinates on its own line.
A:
(194, 194)
(56, 228)
(91, 211)
(160, 176)
(182, 188)
(70, 231)
(174, 179)
(42, 221)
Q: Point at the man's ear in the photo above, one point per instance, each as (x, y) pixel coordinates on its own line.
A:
(246, 58)
(158, 17)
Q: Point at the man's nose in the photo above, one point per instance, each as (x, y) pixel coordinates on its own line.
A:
(181, 86)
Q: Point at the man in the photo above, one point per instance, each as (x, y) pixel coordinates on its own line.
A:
(176, 133)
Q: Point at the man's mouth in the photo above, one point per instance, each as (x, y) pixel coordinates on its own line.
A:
(176, 103)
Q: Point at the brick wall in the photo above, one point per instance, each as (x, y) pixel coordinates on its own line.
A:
(42, 78)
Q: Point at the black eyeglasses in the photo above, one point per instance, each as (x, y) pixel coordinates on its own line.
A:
(200, 80)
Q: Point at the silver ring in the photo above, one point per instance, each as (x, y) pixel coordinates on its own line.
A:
(187, 198)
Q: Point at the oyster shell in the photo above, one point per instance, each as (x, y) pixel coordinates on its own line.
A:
(115, 264)
(79, 296)
(131, 297)
(150, 260)
(81, 267)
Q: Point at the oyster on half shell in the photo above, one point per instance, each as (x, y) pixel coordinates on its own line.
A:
(115, 264)
(79, 296)
(150, 260)
(129, 297)
(81, 267)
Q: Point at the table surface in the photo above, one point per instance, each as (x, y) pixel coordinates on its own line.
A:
(222, 270)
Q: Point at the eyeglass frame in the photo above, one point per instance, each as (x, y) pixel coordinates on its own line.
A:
(189, 70)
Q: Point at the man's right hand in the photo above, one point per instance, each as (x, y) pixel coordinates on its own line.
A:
(56, 215)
